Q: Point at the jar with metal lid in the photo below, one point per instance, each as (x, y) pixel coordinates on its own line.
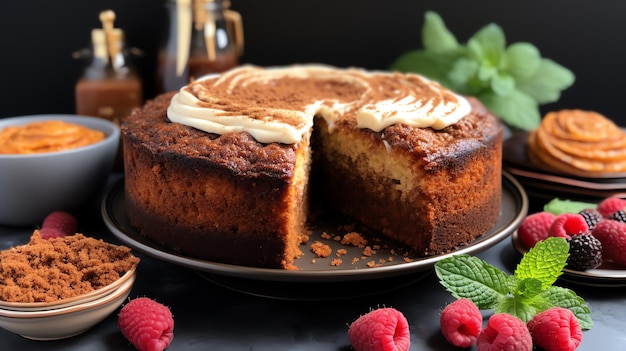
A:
(203, 37)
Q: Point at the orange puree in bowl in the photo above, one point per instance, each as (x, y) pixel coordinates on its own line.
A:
(46, 136)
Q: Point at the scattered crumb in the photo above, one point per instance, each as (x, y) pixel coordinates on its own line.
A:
(354, 239)
(349, 235)
(368, 251)
(321, 249)
(304, 238)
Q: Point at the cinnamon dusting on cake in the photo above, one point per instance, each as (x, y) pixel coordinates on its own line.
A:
(279, 104)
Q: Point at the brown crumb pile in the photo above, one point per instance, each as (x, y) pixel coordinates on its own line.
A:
(48, 270)
(354, 239)
(321, 249)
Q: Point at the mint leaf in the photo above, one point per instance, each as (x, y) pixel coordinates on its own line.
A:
(523, 309)
(546, 84)
(526, 301)
(487, 45)
(472, 278)
(461, 77)
(517, 109)
(529, 288)
(525, 293)
(502, 84)
(545, 261)
(566, 298)
(522, 60)
(510, 81)
(436, 36)
(558, 206)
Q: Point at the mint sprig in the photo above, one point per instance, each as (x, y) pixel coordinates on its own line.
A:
(560, 206)
(511, 81)
(527, 292)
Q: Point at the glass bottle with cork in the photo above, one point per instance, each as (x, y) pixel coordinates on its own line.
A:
(203, 37)
(110, 86)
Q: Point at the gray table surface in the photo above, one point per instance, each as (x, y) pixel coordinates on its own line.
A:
(212, 317)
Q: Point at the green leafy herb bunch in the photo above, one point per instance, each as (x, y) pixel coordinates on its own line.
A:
(528, 291)
(512, 81)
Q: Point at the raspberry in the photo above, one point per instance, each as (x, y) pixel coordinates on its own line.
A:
(619, 215)
(567, 224)
(591, 216)
(585, 252)
(380, 329)
(612, 235)
(147, 324)
(535, 228)
(62, 221)
(556, 329)
(461, 322)
(611, 204)
(49, 233)
(505, 332)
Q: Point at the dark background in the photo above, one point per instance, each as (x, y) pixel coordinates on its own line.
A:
(38, 37)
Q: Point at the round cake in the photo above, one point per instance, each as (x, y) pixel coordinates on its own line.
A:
(222, 169)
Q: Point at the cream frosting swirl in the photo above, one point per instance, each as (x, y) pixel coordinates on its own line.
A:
(278, 104)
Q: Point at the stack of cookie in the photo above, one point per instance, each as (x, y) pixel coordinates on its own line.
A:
(578, 142)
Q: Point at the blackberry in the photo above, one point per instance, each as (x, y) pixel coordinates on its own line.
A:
(585, 252)
(619, 216)
(591, 216)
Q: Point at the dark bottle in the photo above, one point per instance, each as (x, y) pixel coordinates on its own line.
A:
(203, 37)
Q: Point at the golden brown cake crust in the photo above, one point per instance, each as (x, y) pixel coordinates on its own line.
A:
(190, 190)
(242, 155)
(238, 152)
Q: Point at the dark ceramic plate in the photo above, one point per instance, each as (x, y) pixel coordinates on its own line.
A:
(514, 207)
(514, 154)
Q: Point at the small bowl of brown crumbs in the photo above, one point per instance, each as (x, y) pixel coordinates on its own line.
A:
(59, 287)
(70, 301)
(64, 322)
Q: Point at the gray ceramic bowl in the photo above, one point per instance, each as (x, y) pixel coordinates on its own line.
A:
(33, 185)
